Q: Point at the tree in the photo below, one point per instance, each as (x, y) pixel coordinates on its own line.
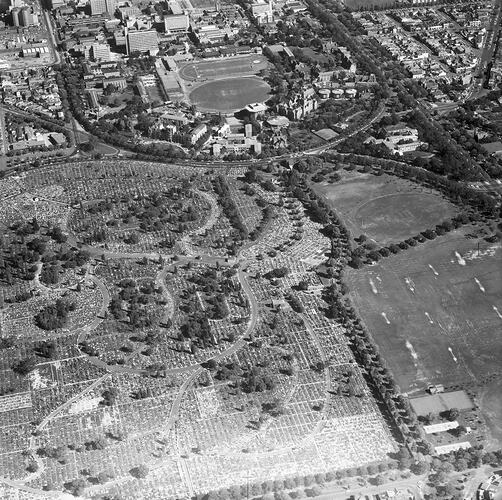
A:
(461, 464)
(54, 316)
(25, 365)
(104, 477)
(439, 478)
(419, 468)
(140, 472)
(282, 495)
(109, 396)
(379, 480)
(447, 490)
(451, 414)
(77, 486)
(315, 491)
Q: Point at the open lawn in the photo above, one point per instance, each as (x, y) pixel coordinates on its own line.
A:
(435, 311)
(385, 208)
(231, 94)
(224, 67)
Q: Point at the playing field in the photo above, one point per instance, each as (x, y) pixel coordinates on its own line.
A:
(385, 208)
(435, 311)
(223, 68)
(231, 94)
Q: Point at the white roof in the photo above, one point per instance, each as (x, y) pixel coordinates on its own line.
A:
(256, 107)
(442, 427)
(176, 22)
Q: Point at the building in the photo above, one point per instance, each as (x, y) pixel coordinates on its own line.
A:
(100, 52)
(129, 12)
(176, 25)
(15, 15)
(99, 7)
(26, 17)
(213, 34)
(197, 133)
(120, 83)
(236, 144)
(56, 4)
(168, 82)
(262, 11)
(93, 99)
(57, 139)
(399, 139)
(142, 41)
(299, 104)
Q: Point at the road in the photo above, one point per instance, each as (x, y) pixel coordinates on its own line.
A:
(411, 485)
(3, 139)
(289, 156)
(488, 53)
(52, 38)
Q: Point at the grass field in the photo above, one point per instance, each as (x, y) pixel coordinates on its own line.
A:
(435, 311)
(385, 208)
(231, 94)
(223, 68)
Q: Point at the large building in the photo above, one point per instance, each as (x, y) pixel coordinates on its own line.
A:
(16, 15)
(27, 17)
(262, 11)
(102, 6)
(176, 25)
(142, 41)
(100, 52)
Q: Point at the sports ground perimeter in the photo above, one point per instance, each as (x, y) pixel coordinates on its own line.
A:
(224, 67)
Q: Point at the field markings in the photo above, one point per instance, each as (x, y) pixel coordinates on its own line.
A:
(410, 283)
(481, 287)
(497, 312)
(433, 270)
(453, 355)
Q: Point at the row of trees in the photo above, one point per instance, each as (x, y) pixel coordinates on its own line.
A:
(339, 308)
(309, 485)
(229, 207)
(458, 192)
(368, 251)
